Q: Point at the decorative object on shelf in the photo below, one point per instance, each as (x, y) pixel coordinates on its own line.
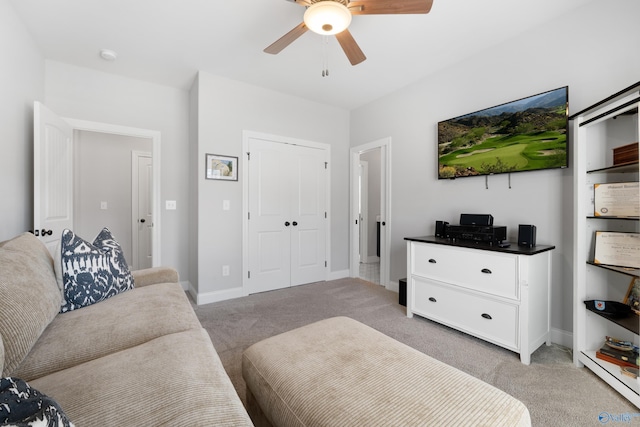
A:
(223, 168)
(619, 199)
(617, 248)
(629, 371)
(610, 308)
(619, 344)
(632, 299)
(625, 154)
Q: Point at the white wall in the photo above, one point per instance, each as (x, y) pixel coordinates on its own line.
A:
(21, 82)
(225, 109)
(81, 93)
(594, 51)
(102, 173)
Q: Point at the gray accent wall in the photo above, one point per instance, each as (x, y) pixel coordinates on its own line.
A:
(593, 51)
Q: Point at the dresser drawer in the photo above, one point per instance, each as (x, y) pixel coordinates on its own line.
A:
(491, 272)
(489, 319)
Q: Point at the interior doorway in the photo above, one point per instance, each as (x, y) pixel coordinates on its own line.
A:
(370, 211)
(134, 143)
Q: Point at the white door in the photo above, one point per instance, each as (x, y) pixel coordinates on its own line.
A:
(52, 175)
(287, 215)
(142, 220)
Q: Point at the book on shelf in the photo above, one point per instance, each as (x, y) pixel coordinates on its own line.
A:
(617, 357)
(615, 361)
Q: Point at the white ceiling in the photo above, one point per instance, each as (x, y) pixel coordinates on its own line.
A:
(168, 41)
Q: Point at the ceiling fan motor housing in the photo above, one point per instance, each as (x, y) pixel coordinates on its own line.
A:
(327, 17)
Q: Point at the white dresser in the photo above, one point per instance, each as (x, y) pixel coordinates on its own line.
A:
(500, 295)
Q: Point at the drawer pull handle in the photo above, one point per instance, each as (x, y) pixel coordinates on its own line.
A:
(486, 271)
(432, 299)
(432, 261)
(486, 316)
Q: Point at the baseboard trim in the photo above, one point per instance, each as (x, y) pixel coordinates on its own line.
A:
(335, 275)
(217, 296)
(563, 338)
(393, 286)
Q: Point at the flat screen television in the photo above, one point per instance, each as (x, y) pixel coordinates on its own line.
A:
(523, 135)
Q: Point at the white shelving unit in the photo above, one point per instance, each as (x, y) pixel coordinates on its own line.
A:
(597, 130)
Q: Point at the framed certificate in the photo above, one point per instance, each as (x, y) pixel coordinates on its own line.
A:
(620, 199)
(618, 249)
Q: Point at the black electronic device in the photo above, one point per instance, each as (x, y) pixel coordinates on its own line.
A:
(526, 235)
(492, 234)
(441, 228)
(476, 219)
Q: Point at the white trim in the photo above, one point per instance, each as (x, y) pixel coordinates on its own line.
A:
(217, 296)
(246, 136)
(385, 208)
(155, 137)
(363, 192)
(335, 275)
(563, 338)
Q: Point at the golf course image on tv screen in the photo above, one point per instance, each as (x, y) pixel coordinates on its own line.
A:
(523, 135)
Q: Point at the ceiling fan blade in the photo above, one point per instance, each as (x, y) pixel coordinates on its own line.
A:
(350, 47)
(287, 39)
(389, 7)
(301, 2)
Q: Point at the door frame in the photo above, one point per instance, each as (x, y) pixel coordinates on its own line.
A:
(385, 209)
(363, 192)
(135, 201)
(244, 173)
(155, 137)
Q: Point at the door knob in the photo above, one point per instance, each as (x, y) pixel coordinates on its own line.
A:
(44, 232)
(286, 224)
(142, 220)
(295, 223)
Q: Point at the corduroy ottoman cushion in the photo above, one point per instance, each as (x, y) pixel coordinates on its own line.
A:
(339, 372)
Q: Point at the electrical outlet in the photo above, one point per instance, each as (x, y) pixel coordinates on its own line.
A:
(103, 206)
(226, 205)
(170, 205)
(225, 270)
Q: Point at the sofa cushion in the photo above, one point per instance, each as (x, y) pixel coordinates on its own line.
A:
(22, 405)
(92, 272)
(29, 296)
(174, 380)
(123, 321)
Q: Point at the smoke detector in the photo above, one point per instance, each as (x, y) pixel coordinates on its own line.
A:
(108, 55)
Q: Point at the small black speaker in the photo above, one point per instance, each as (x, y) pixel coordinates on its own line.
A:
(476, 219)
(441, 228)
(527, 235)
(402, 292)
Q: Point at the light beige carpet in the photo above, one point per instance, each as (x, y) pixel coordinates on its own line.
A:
(556, 393)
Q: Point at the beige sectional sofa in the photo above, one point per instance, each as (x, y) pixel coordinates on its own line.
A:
(138, 358)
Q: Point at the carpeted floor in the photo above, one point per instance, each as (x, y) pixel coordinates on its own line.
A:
(556, 393)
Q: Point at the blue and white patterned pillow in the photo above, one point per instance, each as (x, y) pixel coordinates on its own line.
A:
(92, 272)
(23, 406)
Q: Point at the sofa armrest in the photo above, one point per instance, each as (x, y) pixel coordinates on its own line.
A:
(151, 276)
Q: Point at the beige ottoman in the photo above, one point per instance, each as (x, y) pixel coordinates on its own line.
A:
(339, 372)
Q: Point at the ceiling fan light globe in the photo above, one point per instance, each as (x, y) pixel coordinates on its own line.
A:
(327, 17)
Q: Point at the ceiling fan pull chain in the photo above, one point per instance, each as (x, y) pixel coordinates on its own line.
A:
(325, 56)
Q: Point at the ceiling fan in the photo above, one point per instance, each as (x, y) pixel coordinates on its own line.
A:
(332, 17)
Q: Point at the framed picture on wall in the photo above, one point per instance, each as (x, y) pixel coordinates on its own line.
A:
(223, 168)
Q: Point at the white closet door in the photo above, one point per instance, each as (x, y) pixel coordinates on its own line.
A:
(287, 231)
(269, 237)
(308, 215)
